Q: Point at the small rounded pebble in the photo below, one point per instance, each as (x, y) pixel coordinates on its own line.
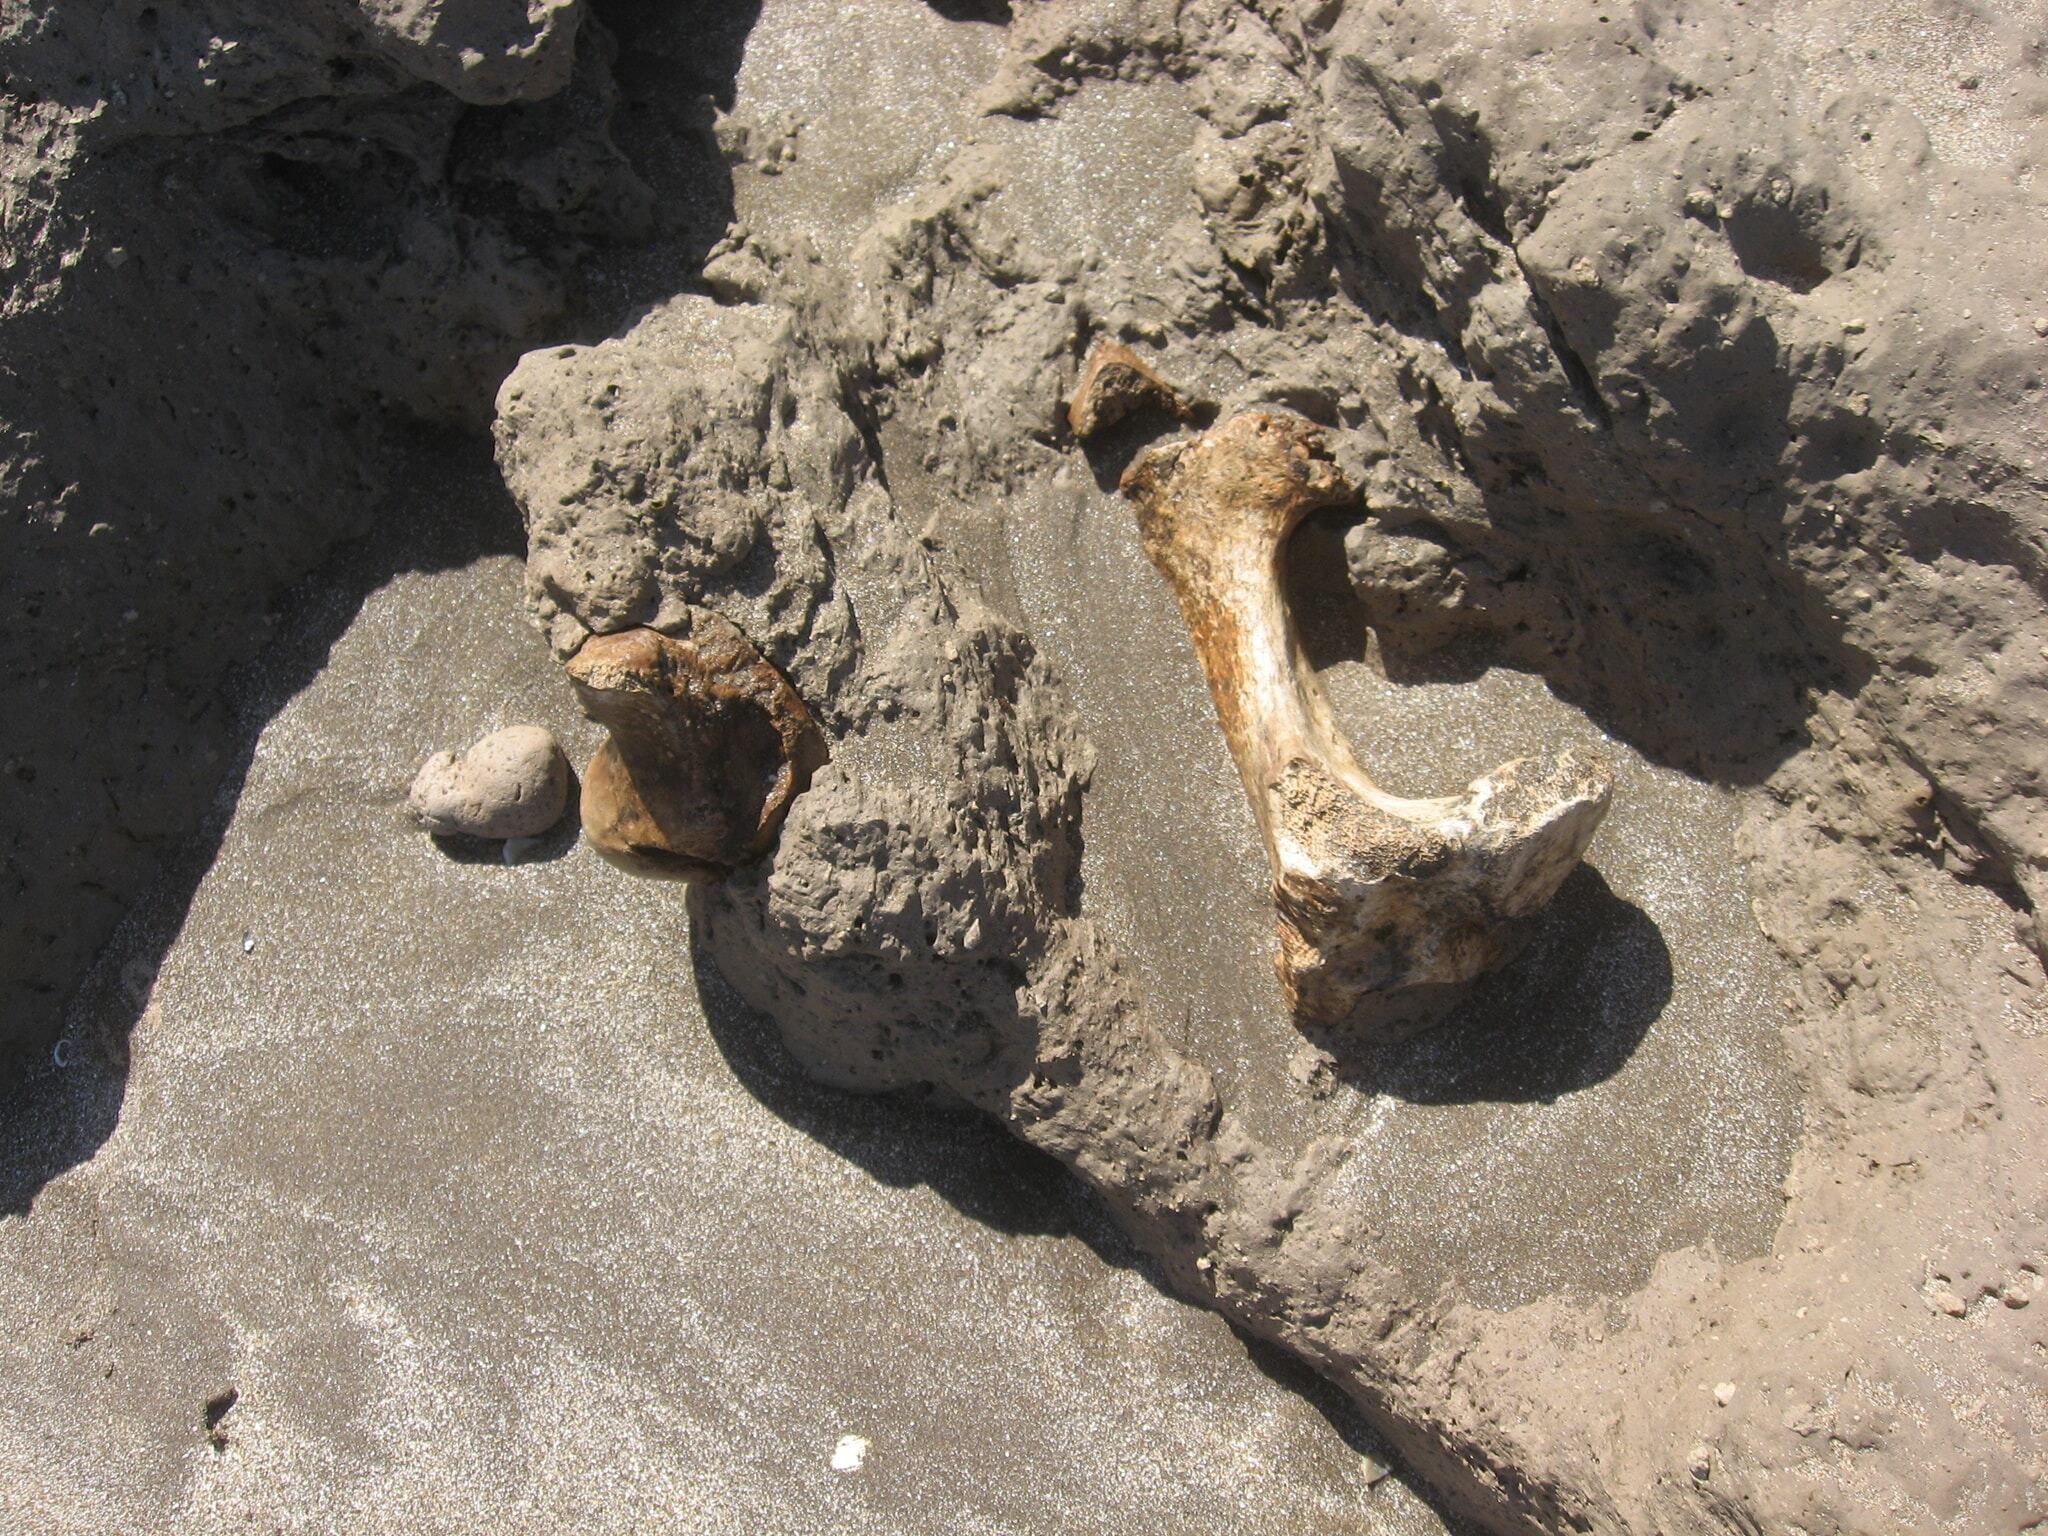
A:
(1700, 1463)
(1724, 1393)
(513, 783)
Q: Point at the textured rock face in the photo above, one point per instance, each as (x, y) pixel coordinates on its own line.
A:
(484, 51)
(1704, 324)
(1641, 396)
(674, 473)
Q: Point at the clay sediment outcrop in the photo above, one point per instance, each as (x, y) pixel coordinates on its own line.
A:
(1630, 395)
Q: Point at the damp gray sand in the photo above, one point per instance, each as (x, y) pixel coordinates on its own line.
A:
(488, 1218)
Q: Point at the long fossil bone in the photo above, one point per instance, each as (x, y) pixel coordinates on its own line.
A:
(709, 744)
(1378, 896)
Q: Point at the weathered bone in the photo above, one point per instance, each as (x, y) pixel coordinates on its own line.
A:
(1116, 382)
(709, 745)
(1377, 895)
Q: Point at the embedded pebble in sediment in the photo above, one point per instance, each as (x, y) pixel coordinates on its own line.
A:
(512, 784)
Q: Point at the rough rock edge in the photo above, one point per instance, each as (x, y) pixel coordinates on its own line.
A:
(963, 965)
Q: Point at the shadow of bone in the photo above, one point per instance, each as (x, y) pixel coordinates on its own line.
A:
(993, 12)
(1114, 448)
(1564, 1015)
(1330, 617)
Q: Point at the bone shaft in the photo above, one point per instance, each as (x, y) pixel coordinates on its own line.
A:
(1244, 640)
(1269, 701)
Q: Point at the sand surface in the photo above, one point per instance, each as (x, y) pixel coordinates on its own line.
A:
(490, 1220)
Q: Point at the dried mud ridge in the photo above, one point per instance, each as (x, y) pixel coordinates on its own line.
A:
(1692, 400)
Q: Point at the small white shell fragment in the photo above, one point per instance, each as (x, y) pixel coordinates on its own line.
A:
(517, 848)
(849, 1454)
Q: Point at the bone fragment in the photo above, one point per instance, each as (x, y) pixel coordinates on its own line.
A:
(709, 745)
(1116, 382)
(1379, 897)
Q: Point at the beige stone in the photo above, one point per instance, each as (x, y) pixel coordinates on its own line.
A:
(513, 783)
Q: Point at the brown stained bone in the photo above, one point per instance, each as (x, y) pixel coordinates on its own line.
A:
(1379, 897)
(1116, 382)
(709, 745)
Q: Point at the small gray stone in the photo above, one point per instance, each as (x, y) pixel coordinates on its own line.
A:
(513, 783)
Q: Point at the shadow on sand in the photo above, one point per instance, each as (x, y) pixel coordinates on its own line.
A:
(60, 1104)
(1565, 1014)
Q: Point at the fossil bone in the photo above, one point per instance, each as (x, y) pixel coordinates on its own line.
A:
(1379, 897)
(1116, 382)
(709, 745)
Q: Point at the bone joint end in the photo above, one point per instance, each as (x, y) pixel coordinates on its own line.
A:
(708, 746)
